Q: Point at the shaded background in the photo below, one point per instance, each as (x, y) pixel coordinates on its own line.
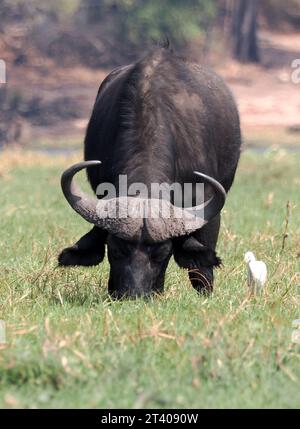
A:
(58, 52)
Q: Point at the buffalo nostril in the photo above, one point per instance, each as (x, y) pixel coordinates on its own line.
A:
(129, 294)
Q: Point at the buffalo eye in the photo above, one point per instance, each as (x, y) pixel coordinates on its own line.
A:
(160, 252)
(119, 248)
(118, 253)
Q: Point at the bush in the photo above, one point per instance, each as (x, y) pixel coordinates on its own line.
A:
(278, 13)
(139, 21)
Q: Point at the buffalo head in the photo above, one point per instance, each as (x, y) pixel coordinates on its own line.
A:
(139, 235)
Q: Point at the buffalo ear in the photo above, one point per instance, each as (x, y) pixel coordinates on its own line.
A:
(89, 250)
(190, 253)
(191, 244)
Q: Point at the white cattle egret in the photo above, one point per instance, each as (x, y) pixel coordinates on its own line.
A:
(257, 272)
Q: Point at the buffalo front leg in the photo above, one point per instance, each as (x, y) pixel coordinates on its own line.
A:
(87, 251)
(197, 253)
(201, 275)
(202, 279)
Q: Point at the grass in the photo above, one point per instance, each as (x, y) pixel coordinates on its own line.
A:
(68, 345)
(262, 137)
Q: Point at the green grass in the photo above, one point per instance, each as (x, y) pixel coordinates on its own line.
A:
(68, 345)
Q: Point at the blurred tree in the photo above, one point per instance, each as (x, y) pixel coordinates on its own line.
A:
(243, 30)
(93, 10)
(281, 15)
(137, 21)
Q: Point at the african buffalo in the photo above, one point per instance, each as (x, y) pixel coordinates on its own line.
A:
(159, 120)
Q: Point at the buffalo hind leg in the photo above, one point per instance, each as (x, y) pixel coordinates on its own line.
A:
(87, 251)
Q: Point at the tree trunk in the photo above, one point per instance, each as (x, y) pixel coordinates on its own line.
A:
(93, 9)
(243, 31)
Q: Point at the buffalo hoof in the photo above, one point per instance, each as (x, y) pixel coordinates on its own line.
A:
(202, 280)
(72, 256)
